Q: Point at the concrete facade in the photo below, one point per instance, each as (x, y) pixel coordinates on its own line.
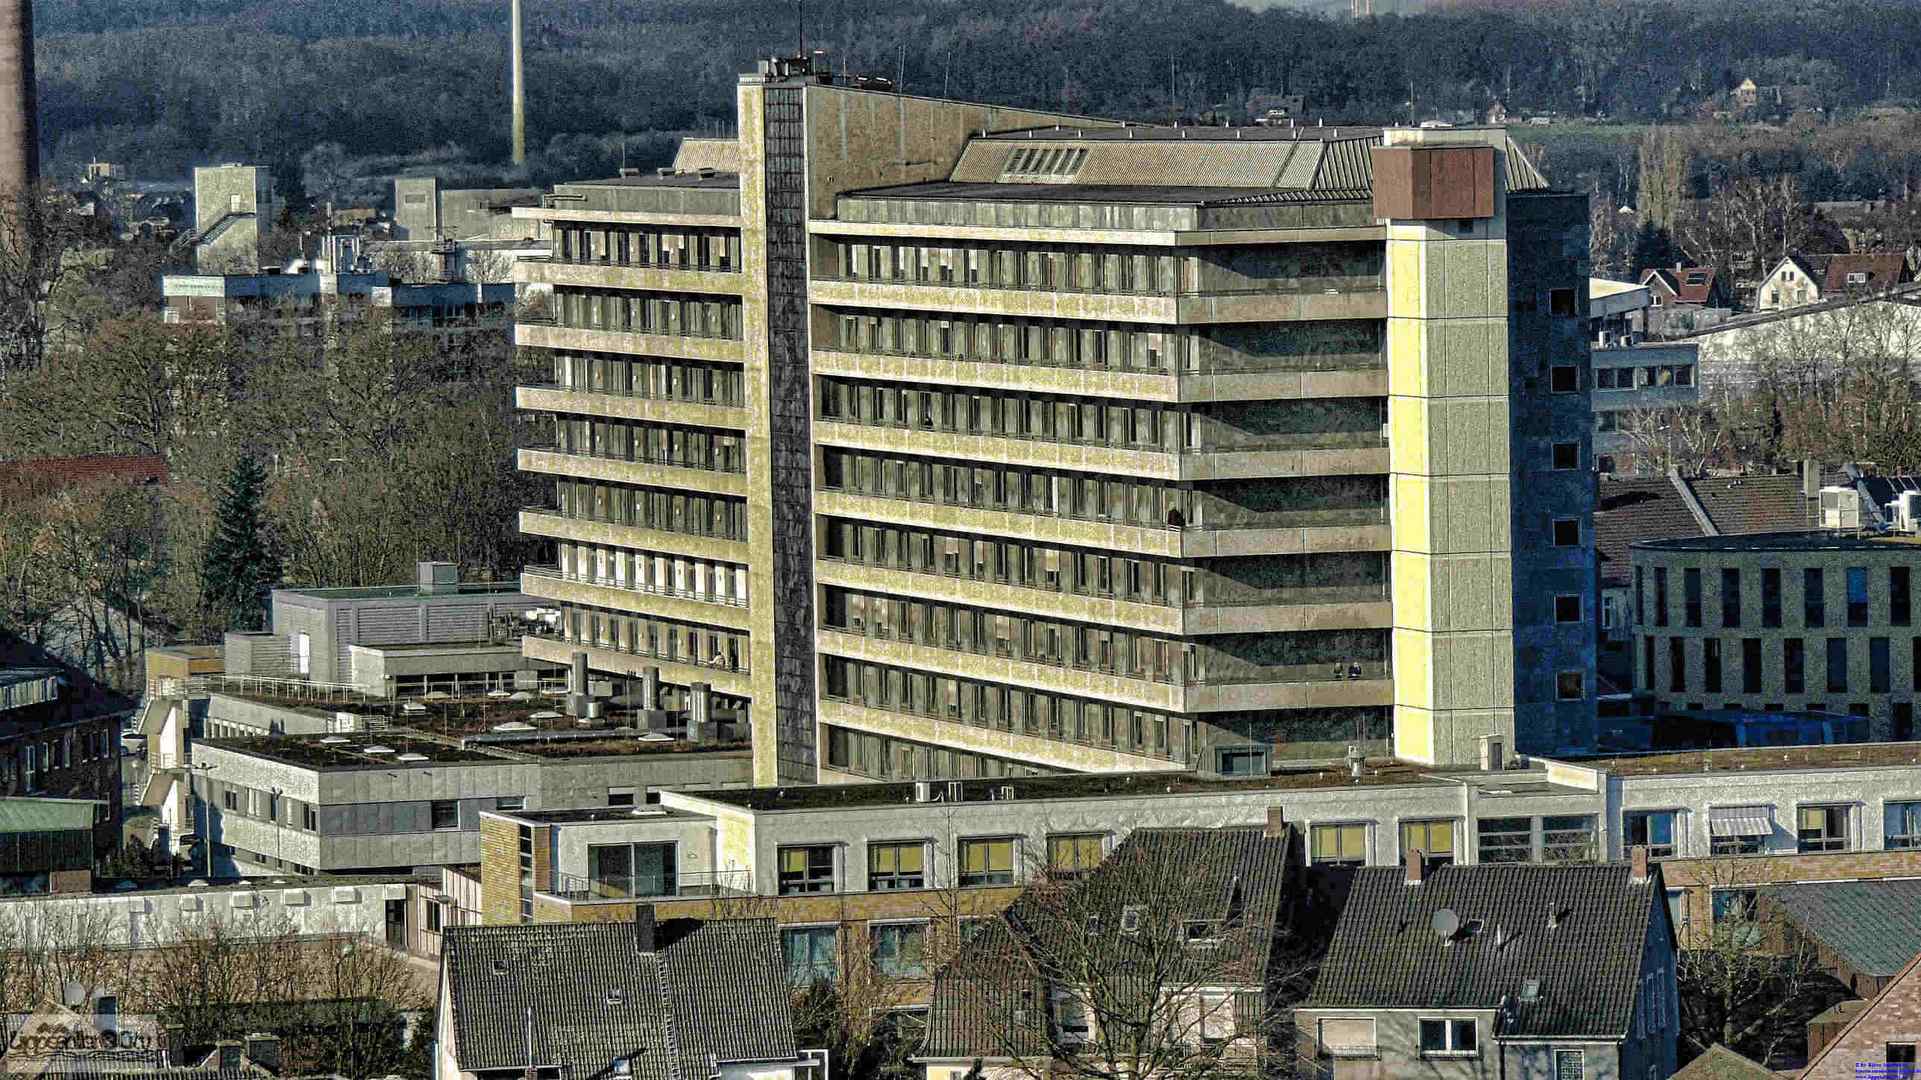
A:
(320, 627)
(233, 207)
(1816, 620)
(928, 472)
(1632, 384)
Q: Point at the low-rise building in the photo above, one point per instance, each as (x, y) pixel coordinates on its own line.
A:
(1494, 971)
(1798, 280)
(56, 741)
(1862, 932)
(50, 845)
(1638, 386)
(1812, 621)
(668, 999)
(1882, 1038)
(314, 300)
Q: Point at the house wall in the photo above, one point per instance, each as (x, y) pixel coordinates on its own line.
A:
(1894, 1017)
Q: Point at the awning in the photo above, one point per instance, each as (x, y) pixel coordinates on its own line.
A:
(1740, 821)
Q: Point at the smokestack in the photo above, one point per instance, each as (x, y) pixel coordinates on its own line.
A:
(19, 119)
(1414, 862)
(520, 93)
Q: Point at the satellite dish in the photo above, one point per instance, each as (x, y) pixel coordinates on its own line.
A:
(1445, 923)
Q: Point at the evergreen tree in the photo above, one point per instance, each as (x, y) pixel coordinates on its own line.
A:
(1653, 249)
(239, 564)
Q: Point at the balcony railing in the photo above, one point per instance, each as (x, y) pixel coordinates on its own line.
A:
(1300, 286)
(1166, 365)
(556, 512)
(654, 331)
(635, 264)
(554, 573)
(1303, 594)
(576, 889)
(739, 468)
(637, 394)
(1370, 439)
(718, 663)
(1325, 517)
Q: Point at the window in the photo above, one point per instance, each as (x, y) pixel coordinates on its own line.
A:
(1750, 665)
(1445, 1037)
(1344, 1036)
(1243, 761)
(1822, 828)
(1660, 596)
(1338, 844)
(900, 950)
(1711, 665)
(1570, 1065)
(897, 866)
(618, 871)
(309, 819)
(1770, 597)
(1880, 673)
(987, 862)
(446, 814)
(1506, 839)
(1569, 838)
(511, 802)
(1560, 303)
(1794, 665)
(1730, 597)
(1570, 686)
(1903, 826)
(1073, 1019)
(1567, 532)
(1900, 596)
(812, 953)
(1677, 664)
(1435, 839)
(1902, 1054)
(1567, 455)
(1567, 608)
(1837, 665)
(1857, 581)
(1564, 379)
(1652, 829)
(433, 917)
(1074, 854)
(1814, 607)
(620, 796)
(1691, 596)
(806, 869)
(229, 798)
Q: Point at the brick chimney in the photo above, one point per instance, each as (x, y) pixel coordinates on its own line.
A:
(644, 928)
(1416, 862)
(1276, 823)
(1638, 872)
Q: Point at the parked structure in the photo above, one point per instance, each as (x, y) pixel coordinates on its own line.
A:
(1183, 368)
(1492, 971)
(673, 999)
(1806, 620)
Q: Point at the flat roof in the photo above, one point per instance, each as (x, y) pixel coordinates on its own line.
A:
(1757, 759)
(719, 180)
(110, 887)
(330, 753)
(1168, 195)
(394, 592)
(1378, 772)
(1808, 540)
(600, 815)
(1197, 133)
(624, 742)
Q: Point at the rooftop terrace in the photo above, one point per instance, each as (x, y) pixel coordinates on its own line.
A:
(1759, 759)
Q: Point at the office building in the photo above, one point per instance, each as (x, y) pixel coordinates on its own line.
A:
(940, 439)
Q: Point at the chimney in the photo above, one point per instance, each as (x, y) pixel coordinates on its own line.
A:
(19, 115)
(1638, 872)
(226, 1056)
(1276, 823)
(176, 1045)
(1810, 479)
(263, 1049)
(644, 928)
(1416, 861)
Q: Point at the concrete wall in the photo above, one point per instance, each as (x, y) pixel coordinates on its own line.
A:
(234, 207)
(150, 917)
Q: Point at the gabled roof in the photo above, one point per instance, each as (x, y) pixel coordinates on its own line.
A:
(1874, 927)
(1135, 907)
(1843, 1054)
(1879, 270)
(1720, 1063)
(714, 989)
(61, 472)
(1688, 284)
(1752, 504)
(1385, 953)
(1630, 511)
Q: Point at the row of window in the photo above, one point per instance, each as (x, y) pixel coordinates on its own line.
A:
(883, 757)
(721, 517)
(1749, 830)
(663, 314)
(654, 572)
(1552, 838)
(1290, 268)
(29, 764)
(1653, 375)
(1312, 656)
(682, 446)
(1858, 607)
(1330, 345)
(1001, 708)
(660, 639)
(1441, 1037)
(653, 245)
(648, 377)
(1700, 664)
(1283, 503)
(1259, 425)
(907, 864)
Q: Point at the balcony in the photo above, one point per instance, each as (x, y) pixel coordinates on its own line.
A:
(581, 401)
(668, 474)
(549, 522)
(1360, 375)
(609, 274)
(628, 888)
(1290, 300)
(548, 583)
(546, 333)
(550, 645)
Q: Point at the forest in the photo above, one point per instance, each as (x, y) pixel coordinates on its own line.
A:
(162, 86)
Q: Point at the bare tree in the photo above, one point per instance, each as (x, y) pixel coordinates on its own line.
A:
(1683, 437)
(1838, 385)
(37, 231)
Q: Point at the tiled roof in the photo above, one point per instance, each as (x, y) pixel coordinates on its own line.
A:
(93, 468)
(1843, 1053)
(1874, 927)
(1882, 269)
(1720, 1063)
(990, 1001)
(1386, 955)
(1752, 504)
(1630, 511)
(715, 988)
(1689, 284)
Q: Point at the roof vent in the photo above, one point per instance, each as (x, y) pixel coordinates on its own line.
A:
(411, 757)
(616, 996)
(1531, 991)
(1131, 919)
(377, 750)
(664, 170)
(333, 740)
(706, 172)
(500, 967)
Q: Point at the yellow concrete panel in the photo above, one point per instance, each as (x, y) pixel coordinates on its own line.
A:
(1470, 514)
(1406, 287)
(1414, 734)
(1467, 436)
(1413, 580)
(1456, 733)
(1413, 668)
(1467, 357)
(1408, 438)
(1407, 361)
(1409, 506)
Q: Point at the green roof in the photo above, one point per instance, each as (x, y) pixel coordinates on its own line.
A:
(46, 815)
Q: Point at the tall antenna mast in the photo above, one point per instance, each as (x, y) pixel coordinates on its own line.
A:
(520, 92)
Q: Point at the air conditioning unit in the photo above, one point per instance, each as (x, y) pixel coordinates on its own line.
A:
(1840, 508)
(1903, 511)
(1607, 339)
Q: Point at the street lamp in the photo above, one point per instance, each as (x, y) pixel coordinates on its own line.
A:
(206, 812)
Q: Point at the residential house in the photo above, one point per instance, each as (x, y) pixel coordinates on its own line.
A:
(1721, 1063)
(1182, 932)
(667, 999)
(1881, 1040)
(1862, 932)
(1798, 280)
(1680, 292)
(1495, 971)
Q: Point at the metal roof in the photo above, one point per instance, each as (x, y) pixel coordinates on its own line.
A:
(1874, 927)
(47, 815)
